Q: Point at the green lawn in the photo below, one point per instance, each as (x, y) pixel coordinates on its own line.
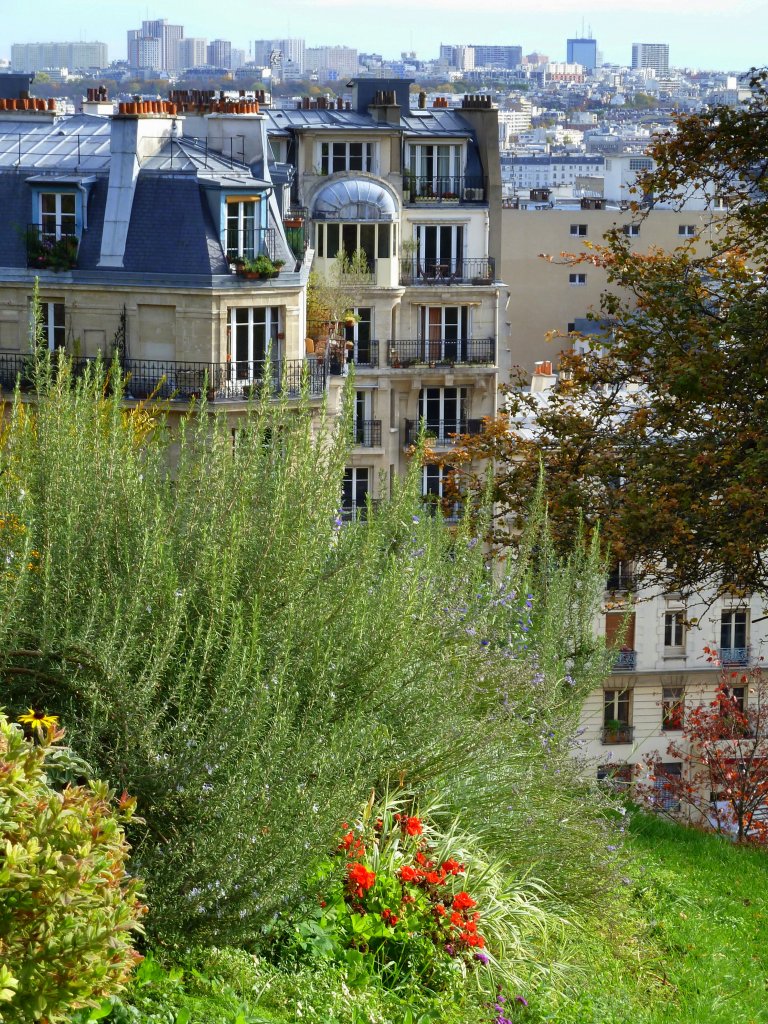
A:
(691, 945)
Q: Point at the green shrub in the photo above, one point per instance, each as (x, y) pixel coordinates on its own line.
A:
(67, 905)
(249, 666)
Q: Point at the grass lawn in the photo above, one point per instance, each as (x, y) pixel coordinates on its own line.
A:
(691, 945)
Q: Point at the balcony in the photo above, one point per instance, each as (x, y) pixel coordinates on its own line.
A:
(295, 226)
(443, 190)
(365, 353)
(619, 580)
(447, 272)
(172, 380)
(47, 251)
(440, 433)
(366, 433)
(248, 243)
(617, 732)
(734, 655)
(404, 355)
(625, 661)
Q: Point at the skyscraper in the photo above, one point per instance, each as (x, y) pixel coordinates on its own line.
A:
(651, 55)
(168, 36)
(220, 53)
(582, 51)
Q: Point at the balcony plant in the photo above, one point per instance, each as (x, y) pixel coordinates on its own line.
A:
(48, 253)
(615, 731)
(257, 267)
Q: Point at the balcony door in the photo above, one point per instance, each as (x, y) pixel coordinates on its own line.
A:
(58, 216)
(253, 332)
(443, 332)
(443, 411)
(242, 228)
(440, 251)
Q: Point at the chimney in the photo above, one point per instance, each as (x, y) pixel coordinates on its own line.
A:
(543, 378)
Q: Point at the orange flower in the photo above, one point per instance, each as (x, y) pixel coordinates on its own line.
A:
(360, 876)
(463, 901)
(408, 873)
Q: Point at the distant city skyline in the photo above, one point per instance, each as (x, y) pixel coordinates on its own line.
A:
(700, 34)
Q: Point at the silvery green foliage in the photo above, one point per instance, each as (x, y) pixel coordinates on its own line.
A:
(216, 640)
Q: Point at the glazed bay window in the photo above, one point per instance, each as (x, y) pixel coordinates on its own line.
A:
(253, 332)
(346, 156)
(242, 226)
(376, 240)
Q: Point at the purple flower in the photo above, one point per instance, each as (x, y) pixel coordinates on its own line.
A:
(521, 1000)
(482, 957)
(449, 949)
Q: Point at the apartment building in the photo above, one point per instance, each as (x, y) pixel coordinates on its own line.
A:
(38, 56)
(550, 297)
(418, 191)
(133, 230)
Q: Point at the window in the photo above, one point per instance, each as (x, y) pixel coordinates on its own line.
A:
(665, 784)
(253, 332)
(435, 481)
(579, 229)
(737, 698)
(376, 240)
(617, 777)
(363, 349)
(577, 280)
(616, 715)
(444, 412)
(640, 163)
(365, 431)
(440, 250)
(241, 230)
(674, 629)
(346, 156)
(689, 230)
(52, 325)
(633, 230)
(354, 493)
(443, 333)
(435, 169)
(58, 216)
(733, 636)
(672, 707)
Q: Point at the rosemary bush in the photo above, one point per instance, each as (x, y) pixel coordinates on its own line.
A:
(217, 642)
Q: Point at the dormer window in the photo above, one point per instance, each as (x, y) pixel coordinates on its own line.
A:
(242, 226)
(57, 215)
(346, 156)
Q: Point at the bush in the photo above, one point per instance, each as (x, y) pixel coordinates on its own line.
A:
(67, 905)
(249, 666)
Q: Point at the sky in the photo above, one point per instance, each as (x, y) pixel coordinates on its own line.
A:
(707, 34)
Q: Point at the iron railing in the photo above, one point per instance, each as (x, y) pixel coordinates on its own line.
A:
(248, 243)
(440, 433)
(441, 352)
(625, 661)
(366, 433)
(174, 380)
(733, 655)
(620, 580)
(611, 734)
(295, 227)
(365, 353)
(447, 271)
(47, 250)
(449, 188)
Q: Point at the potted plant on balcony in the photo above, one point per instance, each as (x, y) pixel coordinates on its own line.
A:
(615, 731)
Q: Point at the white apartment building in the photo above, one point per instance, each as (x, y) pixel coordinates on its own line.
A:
(651, 55)
(192, 52)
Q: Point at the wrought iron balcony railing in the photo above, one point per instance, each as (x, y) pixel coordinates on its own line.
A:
(625, 661)
(440, 433)
(249, 242)
(365, 353)
(439, 188)
(366, 433)
(734, 655)
(441, 352)
(48, 250)
(611, 734)
(620, 581)
(447, 271)
(174, 380)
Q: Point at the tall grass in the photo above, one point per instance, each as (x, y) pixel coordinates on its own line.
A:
(217, 642)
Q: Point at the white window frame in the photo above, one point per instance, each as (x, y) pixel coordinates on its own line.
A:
(674, 630)
(246, 237)
(261, 327)
(58, 222)
(577, 280)
(579, 230)
(686, 230)
(328, 157)
(633, 230)
(357, 485)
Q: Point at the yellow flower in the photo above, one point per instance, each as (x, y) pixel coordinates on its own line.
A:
(39, 720)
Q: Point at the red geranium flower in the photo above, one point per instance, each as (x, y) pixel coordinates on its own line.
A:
(452, 867)
(463, 901)
(360, 876)
(408, 873)
(413, 826)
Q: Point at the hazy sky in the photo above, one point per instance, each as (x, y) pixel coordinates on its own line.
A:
(701, 33)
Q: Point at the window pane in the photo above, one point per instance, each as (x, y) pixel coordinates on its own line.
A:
(333, 246)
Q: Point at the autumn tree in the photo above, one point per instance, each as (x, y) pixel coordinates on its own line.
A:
(719, 778)
(656, 425)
